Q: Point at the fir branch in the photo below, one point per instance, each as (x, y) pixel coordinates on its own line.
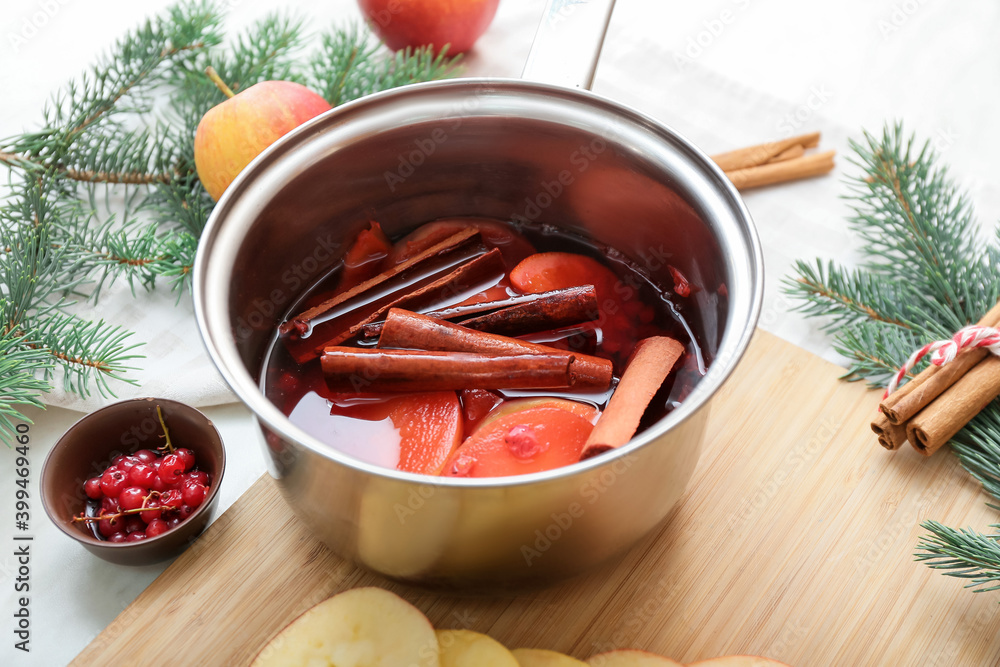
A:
(19, 385)
(962, 553)
(347, 66)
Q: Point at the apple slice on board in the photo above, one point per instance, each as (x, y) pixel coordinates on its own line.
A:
(465, 648)
(362, 627)
(738, 661)
(537, 657)
(631, 658)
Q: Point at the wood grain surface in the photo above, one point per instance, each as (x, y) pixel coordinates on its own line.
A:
(794, 541)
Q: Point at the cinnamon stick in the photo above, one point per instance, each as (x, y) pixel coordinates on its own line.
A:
(793, 152)
(351, 369)
(301, 322)
(781, 172)
(890, 436)
(571, 306)
(472, 275)
(404, 329)
(465, 310)
(752, 156)
(650, 365)
(901, 405)
(935, 425)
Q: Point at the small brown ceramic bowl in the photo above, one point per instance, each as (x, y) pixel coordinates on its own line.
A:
(89, 446)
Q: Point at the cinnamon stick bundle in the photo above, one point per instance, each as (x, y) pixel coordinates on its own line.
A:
(752, 156)
(775, 162)
(931, 408)
(901, 405)
(780, 172)
(351, 369)
(403, 329)
(649, 366)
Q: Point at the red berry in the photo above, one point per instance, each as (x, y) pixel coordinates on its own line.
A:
(145, 455)
(185, 511)
(135, 537)
(134, 524)
(173, 522)
(198, 477)
(193, 494)
(131, 497)
(109, 527)
(117, 537)
(187, 458)
(142, 475)
(127, 463)
(156, 527)
(112, 482)
(92, 487)
(171, 499)
(109, 505)
(149, 516)
(171, 467)
(159, 484)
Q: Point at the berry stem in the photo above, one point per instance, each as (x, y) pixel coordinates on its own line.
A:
(166, 432)
(219, 83)
(100, 517)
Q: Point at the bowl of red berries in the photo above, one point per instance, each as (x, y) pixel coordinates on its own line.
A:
(135, 482)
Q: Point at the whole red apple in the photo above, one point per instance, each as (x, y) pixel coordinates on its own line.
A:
(236, 131)
(414, 23)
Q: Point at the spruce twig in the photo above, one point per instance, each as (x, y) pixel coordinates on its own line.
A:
(926, 275)
(125, 130)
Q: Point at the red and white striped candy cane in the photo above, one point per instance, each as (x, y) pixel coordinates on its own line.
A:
(944, 351)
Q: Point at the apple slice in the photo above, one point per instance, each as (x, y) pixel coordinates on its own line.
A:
(465, 648)
(526, 441)
(362, 627)
(588, 412)
(631, 658)
(738, 661)
(537, 657)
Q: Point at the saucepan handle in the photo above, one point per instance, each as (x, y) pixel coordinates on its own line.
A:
(568, 42)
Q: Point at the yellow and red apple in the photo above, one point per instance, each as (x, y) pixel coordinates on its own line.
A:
(236, 131)
(416, 23)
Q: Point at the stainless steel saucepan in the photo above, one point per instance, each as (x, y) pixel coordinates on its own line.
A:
(509, 149)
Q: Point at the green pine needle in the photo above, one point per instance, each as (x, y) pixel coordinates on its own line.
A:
(106, 188)
(927, 274)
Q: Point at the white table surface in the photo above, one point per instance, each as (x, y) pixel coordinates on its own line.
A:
(726, 73)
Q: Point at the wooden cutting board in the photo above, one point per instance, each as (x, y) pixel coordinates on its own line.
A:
(794, 541)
